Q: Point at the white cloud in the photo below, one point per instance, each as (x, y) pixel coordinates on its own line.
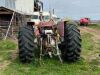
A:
(75, 8)
(77, 2)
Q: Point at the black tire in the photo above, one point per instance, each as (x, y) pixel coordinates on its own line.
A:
(26, 44)
(72, 43)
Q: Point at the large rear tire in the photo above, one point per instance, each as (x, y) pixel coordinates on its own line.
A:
(26, 44)
(72, 43)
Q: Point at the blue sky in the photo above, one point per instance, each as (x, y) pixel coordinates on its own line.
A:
(74, 9)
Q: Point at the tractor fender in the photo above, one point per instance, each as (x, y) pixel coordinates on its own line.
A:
(61, 25)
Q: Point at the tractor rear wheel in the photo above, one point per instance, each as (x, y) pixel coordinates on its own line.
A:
(26, 43)
(72, 43)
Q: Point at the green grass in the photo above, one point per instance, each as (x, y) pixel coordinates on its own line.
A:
(94, 26)
(53, 66)
(7, 45)
(87, 42)
(6, 49)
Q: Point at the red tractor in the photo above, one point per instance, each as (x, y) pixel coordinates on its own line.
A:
(84, 22)
(47, 39)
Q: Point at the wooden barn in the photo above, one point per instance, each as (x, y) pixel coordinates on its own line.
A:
(10, 20)
(14, 13)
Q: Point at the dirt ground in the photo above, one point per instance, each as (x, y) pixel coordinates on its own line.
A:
(96, 40)
(94, 32)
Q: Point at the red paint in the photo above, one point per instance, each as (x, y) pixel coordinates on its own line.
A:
(84, 20)
(61, 28)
